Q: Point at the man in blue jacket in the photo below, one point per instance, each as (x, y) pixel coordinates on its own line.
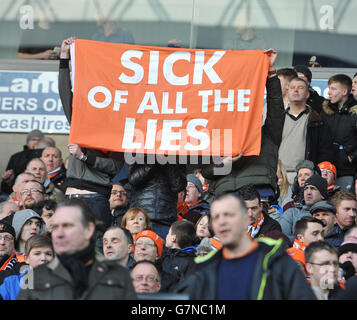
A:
(245, 269)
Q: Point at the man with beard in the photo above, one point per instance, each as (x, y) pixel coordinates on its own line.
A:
(32, 193)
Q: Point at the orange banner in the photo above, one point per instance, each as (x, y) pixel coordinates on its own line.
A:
(162, 100)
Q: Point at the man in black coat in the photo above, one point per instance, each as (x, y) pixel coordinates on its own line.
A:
(340, 112)
(154, 188)
(260, 222)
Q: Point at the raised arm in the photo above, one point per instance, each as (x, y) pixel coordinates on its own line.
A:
(64, 80)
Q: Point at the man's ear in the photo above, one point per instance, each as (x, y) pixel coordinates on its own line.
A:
(130, 248)
(174, 238)
(300, 237)
(26, 258)
(308, 267)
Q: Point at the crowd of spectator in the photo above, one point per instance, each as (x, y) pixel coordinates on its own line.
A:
(281, 225)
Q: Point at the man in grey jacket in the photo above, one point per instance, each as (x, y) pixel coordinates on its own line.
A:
(315, 189)
(90, 171)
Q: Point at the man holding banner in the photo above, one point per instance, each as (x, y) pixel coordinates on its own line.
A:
(252, 169)
(90, 171)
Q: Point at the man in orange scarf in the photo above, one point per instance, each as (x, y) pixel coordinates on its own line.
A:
(260, 222)
(307, 230)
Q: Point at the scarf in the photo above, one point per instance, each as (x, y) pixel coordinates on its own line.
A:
(299, 245)
(182, 209)
(54, 173)
(254, 228)
(78, 265)
(10, 262)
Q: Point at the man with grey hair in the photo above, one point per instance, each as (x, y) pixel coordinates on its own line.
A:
(56, 172)
(231, 273)
(38, 168)
(304, 129)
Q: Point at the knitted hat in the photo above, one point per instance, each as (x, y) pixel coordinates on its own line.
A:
(318, 182)
(204, 246)
(5, 227)
(323, 206)
(329, 166)
(305, 71)
(350, 244)
(34, 134)
(305, 164)
(154, 237)
(197, 182)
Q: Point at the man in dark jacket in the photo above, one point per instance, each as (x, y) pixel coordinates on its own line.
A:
(155, 187)
(56, 171)
(77, 272)
(18, 161)
(315, 100)
(340, 112)
(260, 222)
(258, 170)
(118, 202)
(346, 213)
(304, 129)
(245, 269)
(193, 202)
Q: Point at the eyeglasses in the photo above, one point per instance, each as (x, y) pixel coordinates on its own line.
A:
(6, 238)
(149, 278)
(122, 193)
(32, 191)
(145, 244)
(326, 263)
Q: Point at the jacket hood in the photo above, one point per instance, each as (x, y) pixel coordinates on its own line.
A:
(21, 217)
(350, 106)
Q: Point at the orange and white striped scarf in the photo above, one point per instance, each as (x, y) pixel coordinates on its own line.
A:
(299, 245)
(254, 228)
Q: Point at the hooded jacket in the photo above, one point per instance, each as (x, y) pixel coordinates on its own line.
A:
(178, 263)
(21, 217)
(276, 276)
(343, 126)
